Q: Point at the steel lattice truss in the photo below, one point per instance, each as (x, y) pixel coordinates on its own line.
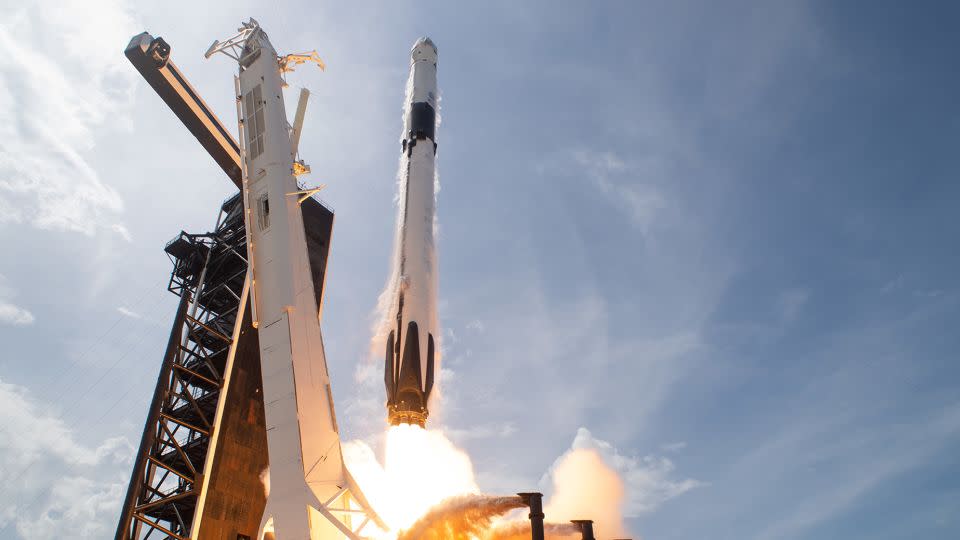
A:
(209, 274)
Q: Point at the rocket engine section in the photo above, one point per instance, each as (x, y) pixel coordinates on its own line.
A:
(412, 348)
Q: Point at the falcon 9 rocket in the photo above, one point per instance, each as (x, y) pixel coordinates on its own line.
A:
(412, 347)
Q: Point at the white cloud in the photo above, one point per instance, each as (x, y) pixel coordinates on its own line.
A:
(64, 79)
(77, 508)
(627, 185)
(449, 338)
(121, 230)
(15, 315)
(649, 480)
(54, 486)
(11, 313)
(674, 446)
(129, 313)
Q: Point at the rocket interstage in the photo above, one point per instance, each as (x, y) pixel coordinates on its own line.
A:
(412, 350)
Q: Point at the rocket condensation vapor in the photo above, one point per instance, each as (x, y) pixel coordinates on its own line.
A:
(412, 348)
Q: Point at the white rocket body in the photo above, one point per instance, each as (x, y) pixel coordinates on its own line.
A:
(306, 464)
(413, 348)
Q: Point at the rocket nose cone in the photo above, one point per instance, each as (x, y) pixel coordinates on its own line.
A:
(424, 49)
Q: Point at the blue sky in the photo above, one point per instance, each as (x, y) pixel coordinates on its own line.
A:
(720, 238)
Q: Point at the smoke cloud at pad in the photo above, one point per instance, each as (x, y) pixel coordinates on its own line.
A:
(426, 487)
(586, 487)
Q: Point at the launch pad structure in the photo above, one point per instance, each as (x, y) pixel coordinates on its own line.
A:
(203, 451)
(243, 398)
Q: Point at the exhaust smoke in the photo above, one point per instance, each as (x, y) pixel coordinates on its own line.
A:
(585, 486)
(460, 518)
(521, 531)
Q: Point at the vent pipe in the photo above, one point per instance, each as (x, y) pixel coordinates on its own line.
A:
(586, 528)
(535, 502)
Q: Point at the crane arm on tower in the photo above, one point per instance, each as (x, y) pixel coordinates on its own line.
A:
(151, 57)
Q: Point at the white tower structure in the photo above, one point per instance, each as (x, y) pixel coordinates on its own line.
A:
(311, 495)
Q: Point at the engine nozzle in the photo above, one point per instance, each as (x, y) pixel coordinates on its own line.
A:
(400, 413)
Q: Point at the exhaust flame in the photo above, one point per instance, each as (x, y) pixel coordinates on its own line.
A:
(426, 490)
(422, 469)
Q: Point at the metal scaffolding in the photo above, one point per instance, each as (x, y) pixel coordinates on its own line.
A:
(209, 275)
(197, 471)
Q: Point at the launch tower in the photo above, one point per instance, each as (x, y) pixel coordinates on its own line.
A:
(200, 468)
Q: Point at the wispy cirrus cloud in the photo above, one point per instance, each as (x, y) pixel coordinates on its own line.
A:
(674, 446)
(884, 455)
(129, 313)
(626, 183)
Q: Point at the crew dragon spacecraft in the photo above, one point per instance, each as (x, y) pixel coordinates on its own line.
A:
(412, 350)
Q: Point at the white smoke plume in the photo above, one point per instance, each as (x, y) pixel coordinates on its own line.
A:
(586, 487)
(649, 480)
(265, 480)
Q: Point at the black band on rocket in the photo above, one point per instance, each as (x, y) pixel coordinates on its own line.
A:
(423, 121)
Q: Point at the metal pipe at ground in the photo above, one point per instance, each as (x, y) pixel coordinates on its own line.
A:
(535, 502)
(586, 528)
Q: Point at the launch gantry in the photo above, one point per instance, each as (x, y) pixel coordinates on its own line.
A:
(197, 472)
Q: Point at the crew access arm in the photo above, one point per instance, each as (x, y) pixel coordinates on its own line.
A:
(151, 57)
